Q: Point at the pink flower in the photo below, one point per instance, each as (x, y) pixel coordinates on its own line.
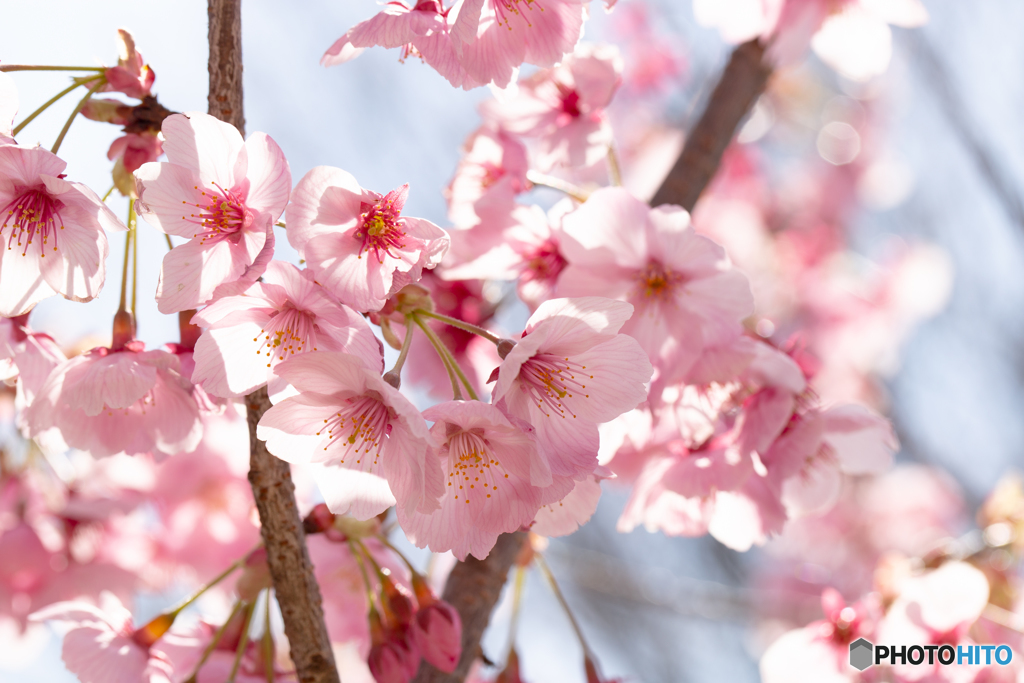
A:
(564, 107)
(52, 232)
(491, 173)
(223, 193)
(495, 480)
(135, 149)
(356, 242)
(686, 295)
(132, 76)
(107, 401)
(372, 441)
(565, 516)
(287, 313)
(102, 646)
(571, 371)
(423, 30)
(494, 37)
(437, 630)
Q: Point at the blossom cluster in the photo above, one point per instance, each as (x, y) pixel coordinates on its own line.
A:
(647, 357)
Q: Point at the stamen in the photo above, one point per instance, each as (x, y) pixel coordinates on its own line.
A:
(33, 215)
(471, 467)
(223, 214)
(360, 429)
(289, 332)
(382, 228)
(550, 380)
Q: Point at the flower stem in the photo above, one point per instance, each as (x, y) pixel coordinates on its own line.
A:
(517, 600)
(546, 570)
(220, 577)
(78, 108)
(462, 325)
(384, 539)
(362, 571)
(449, 360)
(44, 107)
(268, 641)
(133, 225)
(574, 191)
(614, 169)
(170, 244)
(404, 353)
(243, 641)
(34, 67)
(124, 269)
(109, 192)
(214, 641)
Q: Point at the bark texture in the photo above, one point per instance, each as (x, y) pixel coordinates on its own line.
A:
(295, 585)
(473, 589)
(742, 82)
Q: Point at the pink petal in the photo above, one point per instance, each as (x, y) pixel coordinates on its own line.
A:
(326, 200)
(270, 179)
(206, 145)
(352, 492)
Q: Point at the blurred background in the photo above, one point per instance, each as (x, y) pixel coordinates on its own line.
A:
(944, 137)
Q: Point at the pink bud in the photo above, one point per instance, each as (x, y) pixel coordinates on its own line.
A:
(437, 629)
(395, 660)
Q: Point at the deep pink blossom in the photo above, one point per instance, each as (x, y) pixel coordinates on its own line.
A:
(495, 480)
(437, 630)
(423, 30)
(494, 37)
(563, 108)
(107, 401)
(285, 314)
(221, 192)
(132, 75)
(686, 295)
(372, 442)
(52, 231)
(102, 645)
(356, 243)
(571, 371)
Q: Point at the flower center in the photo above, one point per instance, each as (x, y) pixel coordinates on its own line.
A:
(359, 429)
(221, 214)
(471, 467)
(381, 231)
(34, 215)
(550, 380)
(542, 262)
(570, 102)
(503, 8)
(290, 331)
(657, 283)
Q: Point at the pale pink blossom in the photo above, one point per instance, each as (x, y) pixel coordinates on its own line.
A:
(107, 401)
(686, 295)
(424, 30)
(52, 231)
(284, 314)
(102, 645)
(35, 358)
(564, 107)
(565, 516)
(495, 480)
(222, 193)
(355, 242)
(494, 37)
(371, 441)
(491, 173)
(571, 371)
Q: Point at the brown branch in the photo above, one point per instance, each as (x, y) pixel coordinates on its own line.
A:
(742, 82)
(295, 586)
(473, 589)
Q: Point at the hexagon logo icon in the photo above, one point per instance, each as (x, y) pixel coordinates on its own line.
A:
(861, 654)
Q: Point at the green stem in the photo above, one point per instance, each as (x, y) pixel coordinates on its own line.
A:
(546, 570)
(568, 188)
(268, 642)
(133, 225)
(517, 599)
(213, 642)
(124, 269)
(109, 192)
(404, 353)
(362, 570)
(220, 577)
(33, 67)
(443, 355)
(449, 360)
(170, 244)
(78, 108)
(384, 539)
(44, 107)
(462, 325)
(243, 641)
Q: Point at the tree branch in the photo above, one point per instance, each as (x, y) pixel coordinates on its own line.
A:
(742, 82)
(473, 589)
(296, 588)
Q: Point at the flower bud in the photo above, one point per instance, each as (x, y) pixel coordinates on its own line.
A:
(395, 659)
(437, 630)
(398, 608)
(255, 577)
(505, 347)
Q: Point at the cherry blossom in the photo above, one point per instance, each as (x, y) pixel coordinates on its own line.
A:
(563, 108)
(495, 480)
(570, 371)
(494, 37)
(685, 294)
(285, 314)
(107, 401)
(371, 441)
(356, 242)
(222, 193)
(132, 75)
(491, 173)
(52, 230)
